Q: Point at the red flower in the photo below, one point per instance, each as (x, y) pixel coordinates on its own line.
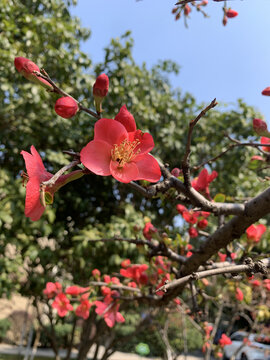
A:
(36, 174)
(132, 284)
(190, 216)
(83, 309)
(62, 304)
(224, 340)
(125, 263)
(137, 273)
(266, 91)
(181, 208)
(266, 284)
(265, 140)
(239, 294)
(75, 290)
(255, 283)
(189, 254)
(149, 230)
(255, 232)
(66, 107)
(222, 257)
(260, 127)
(176, 172)
(258, 157)
(193, 232)
(52, 289)
(201, 183)
(100, 90)
(26, 68)
(122, 154)
(163, 281)
(231, 13)
(109, 312)
(202, 224)
(96, 273)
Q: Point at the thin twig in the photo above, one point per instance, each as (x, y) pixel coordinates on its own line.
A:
(60, 172)
(192, 124)
(58, 90)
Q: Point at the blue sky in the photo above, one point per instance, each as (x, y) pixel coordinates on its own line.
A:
(224, 62)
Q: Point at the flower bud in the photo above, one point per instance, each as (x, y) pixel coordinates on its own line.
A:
(66, 107)
(187, 10)
(260, 127)
(231, 13)
(266, 91)
(100, 90)
(225, 20)
(176, 172)
(27, 67)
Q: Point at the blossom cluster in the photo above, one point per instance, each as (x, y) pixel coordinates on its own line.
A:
(118, 148)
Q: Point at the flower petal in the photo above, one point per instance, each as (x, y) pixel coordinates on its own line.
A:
(125, 174)
(96, 156)
(126, 118)
(148, 168)
(110, 131)
(146, 142)
(33, 207)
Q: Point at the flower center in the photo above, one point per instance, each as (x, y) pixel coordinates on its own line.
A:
(124, 152)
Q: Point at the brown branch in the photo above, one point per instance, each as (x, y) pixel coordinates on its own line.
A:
(60, 172)
(252, 267)
(114, 286)
(192, 124)
(58, 90)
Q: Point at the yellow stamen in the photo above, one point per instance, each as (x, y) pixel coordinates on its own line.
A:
(124, 152)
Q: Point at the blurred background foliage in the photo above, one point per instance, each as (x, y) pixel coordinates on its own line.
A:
(58, 247)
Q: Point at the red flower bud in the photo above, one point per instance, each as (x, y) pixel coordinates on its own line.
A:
(202, 224)
(260, 127)
(187, 10)
(231, 13)
(266, 91)
(192, 232)
(101, 86)
(27, 67)
(174, 10)
(66, 107)
(176, 172)
(225, 20)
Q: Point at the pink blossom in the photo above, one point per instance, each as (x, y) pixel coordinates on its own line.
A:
(52, 289)
(83, 309)
(62, 305)
(239, 294)
(255, 232)
(109, 312)
(224, 340)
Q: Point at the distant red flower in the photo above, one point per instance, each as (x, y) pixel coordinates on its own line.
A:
(75, 290)
(66, 107)
(239, 294)
(132, 284)
(27, 67)
(255, 232)
(255, 283)
(176, 172)
(83, 309)
(266, 91)
(233, 255)
(189, 254)
(266, 284)
(36, 174)
(96, 273)
(62, 304)
(149, 230)
(52, 289)
(222, 257)
(177, 301)
(224, 340)
(202, 224)
(205, 346)
(109, 312)
(231, 13)
(122, 154)
(260, 127)
(265, 140)
(125, 263)
(181, 208)
(191, 216)
(201, 184)
(137, 273)
(163, 281)
(193, 232)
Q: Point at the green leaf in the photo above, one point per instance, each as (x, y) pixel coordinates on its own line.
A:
(220, 198)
